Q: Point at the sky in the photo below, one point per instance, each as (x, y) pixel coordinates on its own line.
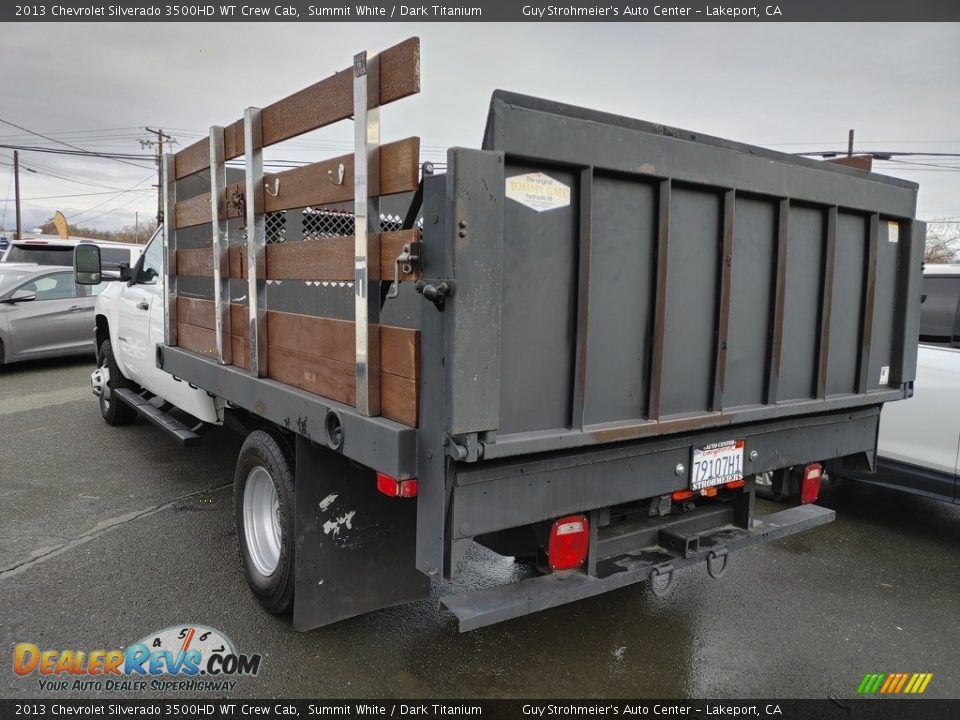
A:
(791, 87)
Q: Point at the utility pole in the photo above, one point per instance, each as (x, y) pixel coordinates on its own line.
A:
(850, 143)
(158, 143)
(16, 191)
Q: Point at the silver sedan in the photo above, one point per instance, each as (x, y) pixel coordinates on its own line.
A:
(44, 313)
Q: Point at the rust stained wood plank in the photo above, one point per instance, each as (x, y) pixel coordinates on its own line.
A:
(314, 336)
(195, 311)
(333, 258)
(399, 399)
(193, 211)
(331, 99)
(239, 325)
(400, 351)
(197, 339)
(334, 340)
(320, 376)
(311, 184)
(337, 381)
(195, 263)
(241, 352)
(321, 104)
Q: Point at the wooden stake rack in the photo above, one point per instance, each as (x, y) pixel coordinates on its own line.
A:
(359, 362)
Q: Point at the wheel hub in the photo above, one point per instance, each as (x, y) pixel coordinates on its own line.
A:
(261, 521)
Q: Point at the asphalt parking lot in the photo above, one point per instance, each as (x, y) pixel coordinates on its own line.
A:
(107, 534)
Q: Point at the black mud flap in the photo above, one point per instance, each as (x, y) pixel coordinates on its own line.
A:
(486, 607)
(356, 547)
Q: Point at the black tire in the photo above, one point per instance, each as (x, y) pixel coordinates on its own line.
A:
(113, 411)
(269, 452)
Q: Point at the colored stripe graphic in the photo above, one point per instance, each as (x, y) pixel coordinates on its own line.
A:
(894, 683)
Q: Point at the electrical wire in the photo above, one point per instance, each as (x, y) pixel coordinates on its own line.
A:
(61, 142)
(94, 207)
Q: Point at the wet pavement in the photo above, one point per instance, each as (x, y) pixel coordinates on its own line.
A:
(107, 534)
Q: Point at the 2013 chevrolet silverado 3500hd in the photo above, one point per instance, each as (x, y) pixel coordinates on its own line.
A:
(578, 344)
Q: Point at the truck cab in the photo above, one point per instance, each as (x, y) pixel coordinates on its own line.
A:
(129, 325)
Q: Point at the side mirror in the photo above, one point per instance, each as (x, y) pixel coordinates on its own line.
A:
(21, 296)
(86, 265)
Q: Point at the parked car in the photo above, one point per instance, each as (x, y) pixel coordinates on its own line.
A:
(52, 250)
(918, 450)
(44, 313)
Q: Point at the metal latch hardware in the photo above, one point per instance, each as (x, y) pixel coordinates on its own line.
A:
(436, 293)
(408, 257)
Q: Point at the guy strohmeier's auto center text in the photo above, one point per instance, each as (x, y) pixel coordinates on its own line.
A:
(393, 11)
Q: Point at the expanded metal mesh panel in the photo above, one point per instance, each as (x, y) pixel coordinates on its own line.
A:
(275, 224)
(338, 223)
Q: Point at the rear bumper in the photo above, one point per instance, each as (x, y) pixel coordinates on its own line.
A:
(486, 607)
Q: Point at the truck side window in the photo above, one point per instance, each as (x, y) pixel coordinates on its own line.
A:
(152, 267)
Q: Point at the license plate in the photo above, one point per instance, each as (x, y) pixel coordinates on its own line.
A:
(716, 464)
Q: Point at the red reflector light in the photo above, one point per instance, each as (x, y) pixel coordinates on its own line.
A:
(736, 484)
(569, 541)
(397, 488)
(810, 487)
(679, 495)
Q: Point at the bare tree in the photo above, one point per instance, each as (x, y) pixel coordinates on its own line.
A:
(129, 234)
(943, 243)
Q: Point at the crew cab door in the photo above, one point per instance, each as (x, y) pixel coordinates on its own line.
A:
(135, 351)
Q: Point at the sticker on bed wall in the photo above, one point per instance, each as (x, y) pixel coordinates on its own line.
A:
(885, 375)
(893, 231)
(538, 191)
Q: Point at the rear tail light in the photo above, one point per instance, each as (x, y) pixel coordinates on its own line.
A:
(396, 488)
(681, 495)
(709, 492)
(733, 484)
(569, 542)
(810, 486)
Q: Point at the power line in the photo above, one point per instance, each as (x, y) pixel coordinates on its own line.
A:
(82, 153)
(41, 170)
(58, 197)
(122, 205)
(94, 207)
(61, 142)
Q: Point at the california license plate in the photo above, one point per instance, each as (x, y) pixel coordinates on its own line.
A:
(716, 464)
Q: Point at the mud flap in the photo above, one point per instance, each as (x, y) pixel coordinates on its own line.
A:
(355, 547)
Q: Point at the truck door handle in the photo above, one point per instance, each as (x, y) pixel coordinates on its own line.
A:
(75, 308)
(143, 305)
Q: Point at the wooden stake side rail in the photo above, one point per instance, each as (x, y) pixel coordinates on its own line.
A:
(357, 362)
(313, 185)
(314, 353)
(321, 259)
(317, 106)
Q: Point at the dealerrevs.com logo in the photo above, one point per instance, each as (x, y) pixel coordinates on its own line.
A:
(187, 658)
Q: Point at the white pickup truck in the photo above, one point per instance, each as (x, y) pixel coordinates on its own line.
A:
(129, 325)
